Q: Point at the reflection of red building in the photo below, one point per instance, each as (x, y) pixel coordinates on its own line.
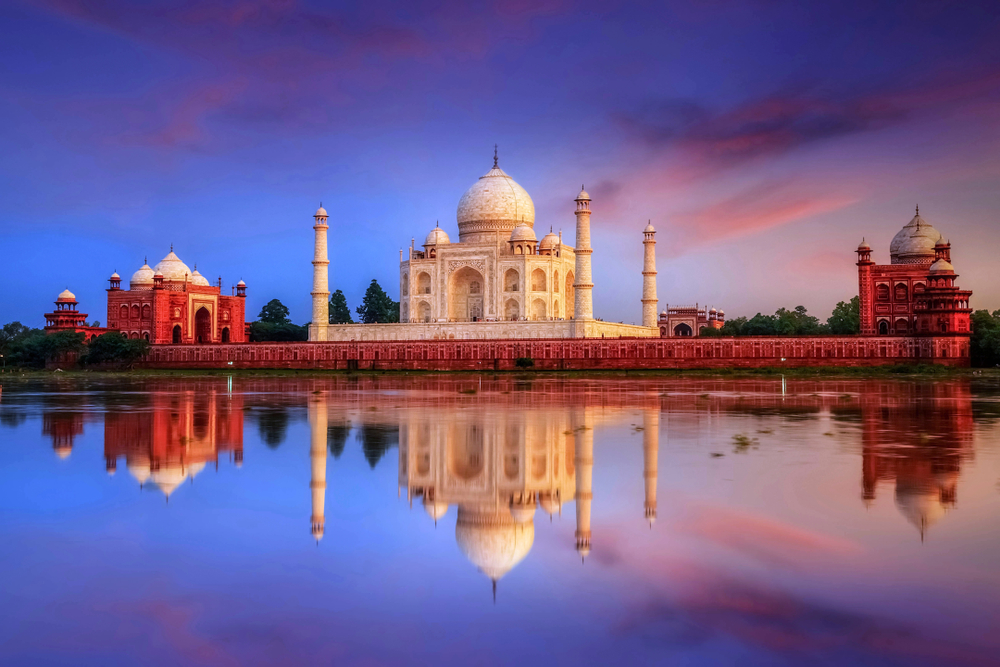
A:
(917, 436)
(62, 427)
(916, 292)
(177, 436)
(170, 303)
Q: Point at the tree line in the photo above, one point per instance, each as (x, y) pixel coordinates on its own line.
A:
(273, 324)
(26, 347)
(845, 320)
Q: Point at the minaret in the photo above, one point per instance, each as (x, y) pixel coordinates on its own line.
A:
(583, 306)
(649, 300)
(321, 280)
(865, 296)
(650, 454)
(317, 455)
(584, 463)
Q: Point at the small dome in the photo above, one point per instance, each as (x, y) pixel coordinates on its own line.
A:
(523, 232)
(663, 313)
(435, 508)
(168, 478)
(437, 237)
(649, 228)
(172, 268)
(549, 241)
(713, 310)
(864, 245)
(198, 279)
(583, 196)
(914, 244)
(523, 513)
(158, 275)
(115, 276)
(144, 276)
(140, 471)
(941, 243)
(942, 266)
(320, 213)
(241, 284)
(66, 295)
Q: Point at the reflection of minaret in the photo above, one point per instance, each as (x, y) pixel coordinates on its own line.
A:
(584, 463)
(317, 454)
(650, 454)
(63, 427)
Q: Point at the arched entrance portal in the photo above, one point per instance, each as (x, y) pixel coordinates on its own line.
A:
(682, 330)
(465, 295)
(177, 334)
(883, 328)
(203, 326)
(225, 335)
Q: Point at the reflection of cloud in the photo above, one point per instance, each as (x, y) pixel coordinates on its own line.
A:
(761, 538)
(770, 619)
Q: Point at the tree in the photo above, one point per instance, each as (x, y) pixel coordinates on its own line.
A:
(985, 342)
(377, 306)
(274, 312)
(38, 347)
(339, 312)
(115, 348)
(846, 317)
(13, 333)
(262, 332)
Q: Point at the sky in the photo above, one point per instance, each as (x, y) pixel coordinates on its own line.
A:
(763, 139)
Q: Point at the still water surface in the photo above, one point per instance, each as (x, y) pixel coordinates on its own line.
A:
(492, 520)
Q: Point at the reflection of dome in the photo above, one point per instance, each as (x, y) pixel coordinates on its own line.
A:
(437, 237)
(942, 266)
(66, 295)
(914, 244)
(63, 451)
(493, 541)
(920, 504)
(523, 512)
(551, 504)
(144, 276)
(172, 267)
(168, 478)
(139, 471)
(522, 232)
(494, 203)
(435, 509)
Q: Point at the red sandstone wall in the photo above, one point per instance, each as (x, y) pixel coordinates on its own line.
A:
(572, 354)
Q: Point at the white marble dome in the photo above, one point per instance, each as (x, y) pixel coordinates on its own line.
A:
(144, 276)
(66, 295)
(522, 232)
(494, 203)
(437, 236)
(914, 244)
(492, 540)
(172, 268)
(649, 228)
(942, 266)
(549, 241)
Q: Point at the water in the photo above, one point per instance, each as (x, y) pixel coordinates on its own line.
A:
(216, 521)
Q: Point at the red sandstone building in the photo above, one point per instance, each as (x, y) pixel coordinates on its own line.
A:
(169, 303)
(66, 317)
(916, 292)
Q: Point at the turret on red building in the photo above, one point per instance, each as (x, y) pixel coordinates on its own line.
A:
(916, 292)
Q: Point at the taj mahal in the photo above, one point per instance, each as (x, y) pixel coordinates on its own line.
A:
(497, 281)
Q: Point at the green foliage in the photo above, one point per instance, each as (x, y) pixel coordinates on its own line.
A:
(12, 334)
(115, 348)
(377, 306)
(784, 322)
(339, 312)
(846, 318)
(985, 343)
(274, 312)
(36, 348)
(262, 332)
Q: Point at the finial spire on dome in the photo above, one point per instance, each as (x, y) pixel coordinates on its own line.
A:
(496, 159)
(171, 247)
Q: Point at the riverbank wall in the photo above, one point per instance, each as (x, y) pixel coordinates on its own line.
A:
(569, 354)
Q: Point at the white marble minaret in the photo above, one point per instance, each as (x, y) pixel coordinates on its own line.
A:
(321, 280)
(649, 300)
(583, 306)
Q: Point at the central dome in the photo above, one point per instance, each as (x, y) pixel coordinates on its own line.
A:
(172, 267)
(492, 207)
(914, 244)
